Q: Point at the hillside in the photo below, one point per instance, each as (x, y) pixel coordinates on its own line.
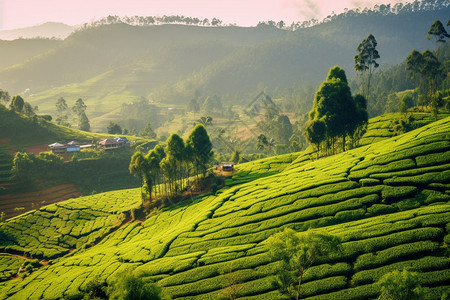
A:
(387, 201)
(114, 64)
(20, 132)
(49, 181)
(46, 30)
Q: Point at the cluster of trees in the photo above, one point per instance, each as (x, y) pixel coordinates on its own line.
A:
(135, 117)
(378, 9)
(336, 114)
(125, 287)
(154, 20)
(17, 104)
(427, 71)
(165, 171)
(64, 114)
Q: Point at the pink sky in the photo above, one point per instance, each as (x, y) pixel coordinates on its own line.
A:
(24, 13)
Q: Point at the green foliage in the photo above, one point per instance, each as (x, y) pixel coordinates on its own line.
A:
(298, 253)
(148, 132)
(400, 285)
(17, 103)
(437, 30)
(114, 128)
(341, 114)
(200, 147)
(365, 61)
(188, 247)
(134, 288)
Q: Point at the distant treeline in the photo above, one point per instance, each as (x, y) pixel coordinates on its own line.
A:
(378, 9)
(153, 20)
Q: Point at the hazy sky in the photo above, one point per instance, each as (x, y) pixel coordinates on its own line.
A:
(24, 13)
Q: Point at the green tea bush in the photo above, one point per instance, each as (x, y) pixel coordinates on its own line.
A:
(427, 263)
(380, 209)
(383, 257)
(323, 285)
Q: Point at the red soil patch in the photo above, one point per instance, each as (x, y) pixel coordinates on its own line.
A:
(16, 204)
(37, 149)
(5, 141)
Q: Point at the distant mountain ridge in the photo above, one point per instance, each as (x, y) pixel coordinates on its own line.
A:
(45, 30)
(113, 64)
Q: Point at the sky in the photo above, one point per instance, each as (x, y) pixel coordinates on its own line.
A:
(24, 13)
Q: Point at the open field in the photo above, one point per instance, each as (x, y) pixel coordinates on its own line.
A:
(388, 202)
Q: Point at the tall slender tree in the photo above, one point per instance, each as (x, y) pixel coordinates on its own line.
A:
(4, 97)
(17, 103)
(139, 168)
(176, 149)
(62, 111)
(365, 61)
(200, 147)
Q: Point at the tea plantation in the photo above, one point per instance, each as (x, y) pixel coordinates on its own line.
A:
(387, 201)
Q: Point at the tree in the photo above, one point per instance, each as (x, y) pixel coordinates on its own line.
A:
(205, 121)
(359, 122)
(83, 122)
(62, 111)
(406, 103)
(17, 103)
(398, 285)
(80, 111)
(28, 110)
(148, 132)
(193, 106)
(4, 97)
(79, 107)
(283, 129)
(432, 76)
(315, 132)
(437, 30)
(261, 142)
(134, 288)
(200, 146)
(365, 61)
(176, 150)
(114, 128)
(334, 104)
(22, 164)
(414, 64)
(298, 252)
(139, 168)
(236, 156)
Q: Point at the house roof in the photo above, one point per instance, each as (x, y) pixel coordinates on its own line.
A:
(227, 164)
(54, 145)
(72, 143)
(108, 142)
(121, 139)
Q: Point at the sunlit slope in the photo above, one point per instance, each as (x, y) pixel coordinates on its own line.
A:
(387, 201)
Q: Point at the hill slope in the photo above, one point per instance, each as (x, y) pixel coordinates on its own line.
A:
(46, 30)
(387, 201)
(110, 65)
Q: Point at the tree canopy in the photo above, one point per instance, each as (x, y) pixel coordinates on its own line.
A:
(335, 113)
(298, 252)
(365, 61)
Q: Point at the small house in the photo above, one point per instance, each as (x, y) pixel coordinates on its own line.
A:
(227, 167)
(73, 147)
(108, 144)
(122, 140)
(58, 148)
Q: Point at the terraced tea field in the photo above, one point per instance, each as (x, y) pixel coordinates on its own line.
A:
(388, 202)
(15, 204)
